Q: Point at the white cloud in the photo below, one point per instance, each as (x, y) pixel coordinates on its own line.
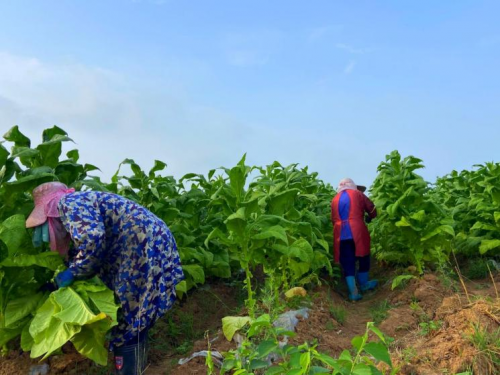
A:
(110, 121)
(349, 67)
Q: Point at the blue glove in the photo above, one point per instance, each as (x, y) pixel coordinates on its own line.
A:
(64, 278)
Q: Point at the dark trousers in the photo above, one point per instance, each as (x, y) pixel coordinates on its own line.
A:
(348, 259)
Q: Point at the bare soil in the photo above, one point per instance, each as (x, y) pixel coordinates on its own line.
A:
(447, 349)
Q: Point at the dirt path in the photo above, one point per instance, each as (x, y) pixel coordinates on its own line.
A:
(399, 314)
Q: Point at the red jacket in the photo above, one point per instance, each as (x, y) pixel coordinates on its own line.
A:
(360, 204)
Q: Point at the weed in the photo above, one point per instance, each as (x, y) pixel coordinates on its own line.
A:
(330, 326)
(409, 354)
(486, 343)
(338, 312)
(430, 327)
(477, 269)
(379, 312)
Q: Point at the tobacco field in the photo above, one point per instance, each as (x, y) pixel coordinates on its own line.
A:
(263, 235)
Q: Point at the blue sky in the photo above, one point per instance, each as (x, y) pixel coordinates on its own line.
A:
(335, 85)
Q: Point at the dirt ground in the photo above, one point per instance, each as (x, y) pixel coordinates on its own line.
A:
(445, 348)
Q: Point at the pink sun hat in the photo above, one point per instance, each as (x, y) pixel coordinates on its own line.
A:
(46, 197)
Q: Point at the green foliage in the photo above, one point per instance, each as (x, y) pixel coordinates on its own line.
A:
(82, 314)
(401, 280)
(429, 327)
(486, 341)
(262, 350)
(411, 228)
(477, 268)
(473, 199)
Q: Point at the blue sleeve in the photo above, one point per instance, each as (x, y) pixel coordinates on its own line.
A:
(85, 225)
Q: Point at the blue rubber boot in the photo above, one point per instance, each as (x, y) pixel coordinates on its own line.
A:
(353, 290)
(364, 283)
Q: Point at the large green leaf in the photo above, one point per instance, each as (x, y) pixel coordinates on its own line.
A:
(231, 324)
(19, 308)
(487, 245)
(42, 319)
(54, 337)
(105, 303)
(13, 233)
(74, 310)
(379, 351)
(49, 260)
(276, 232)
(49, 133)
(281, 202)
(196, 272)
(19, 139)
(90, 342)
(237, 222)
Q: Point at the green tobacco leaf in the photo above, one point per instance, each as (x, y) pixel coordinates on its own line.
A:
(26, 339)
(280, 203)
(378, 351)
(49, 133)
(324, 244)
(303, 250)
(274, 370)
(231, 324)
(196, 272)
(496, 215)
(19, 139)
(29, 182)
(487, 245)
(74, 155)
(361, 369)
(7, 334)
(19, 308)
(326, 359)
(277, 232)
(237, 222)
(105, 303)
(159, 166)
(256, 364)
(399, 279)
(42, 319)
(74, 310)
(26, 155)
(13, 233)
(56, 335)
(65, 315)
(357, 342)
(49, 260)
(4, 154)
(237, 177)
(4, 251)
(267, 347)
(403, 223)
(90, 343)
(50, 151)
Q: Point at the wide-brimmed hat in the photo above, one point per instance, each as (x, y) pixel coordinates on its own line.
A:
(43, 196)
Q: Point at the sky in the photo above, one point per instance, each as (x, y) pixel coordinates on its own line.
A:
(334, 85)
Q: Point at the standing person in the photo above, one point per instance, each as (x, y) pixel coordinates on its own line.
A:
(128, 247)
(351, 236)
